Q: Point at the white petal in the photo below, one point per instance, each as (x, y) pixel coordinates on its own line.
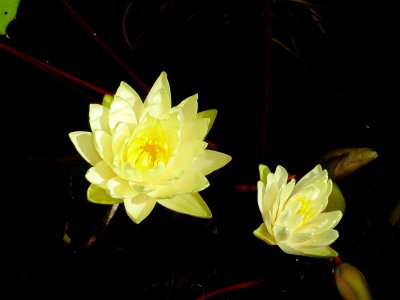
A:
(98, 117)
(100, 174)
(268, 222)
(322, 222)
(190, 182)
(125, 91)
(308, 179)
(299, 237)
(281, 233)
(83, 142)
(129, 94)
(283, 195)
(190, 204)
(281, 176)
(210, 161)
(121, 111)
(287, 248)
(160, 105)
(139, 208)
(290, 219)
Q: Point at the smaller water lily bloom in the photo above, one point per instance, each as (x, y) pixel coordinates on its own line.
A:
(293, 212)
(147, 152)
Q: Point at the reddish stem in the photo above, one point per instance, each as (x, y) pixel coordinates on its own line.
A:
(105, 47)
(54, 159)
(43, 65)
(231, 288)
(337, 260)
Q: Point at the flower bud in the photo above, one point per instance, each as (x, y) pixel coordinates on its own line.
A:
(351, 283)
(107, 99)
(342, 162)
(394, 216)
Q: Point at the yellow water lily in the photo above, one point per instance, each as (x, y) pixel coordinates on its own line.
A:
(293, 212)
(147, 152)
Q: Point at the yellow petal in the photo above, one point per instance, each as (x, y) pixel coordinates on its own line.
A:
(264, 171)
(98, 117)
(190, 204)
(160, 83)
(190, 182)
(120, 136)
(120, 188)
(100, 174)
(323, 238)
(195, 130)
(320, 251)
(263, 234)
(160, 105)
(188, 108)
(99, 196)
(210, 114)
(262, 205)
(158, 100)
(186, 154)
(139, 207)
(210, 161)
(126, 92)
(83, 142)
(103, 146)
(336, 199)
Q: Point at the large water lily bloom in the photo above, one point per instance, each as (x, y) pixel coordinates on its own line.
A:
(293, 213)
(147, 152)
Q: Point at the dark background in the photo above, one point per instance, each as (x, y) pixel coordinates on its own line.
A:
(276, 105)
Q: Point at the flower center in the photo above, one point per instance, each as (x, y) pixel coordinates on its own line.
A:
(148, 147)
(305, 208)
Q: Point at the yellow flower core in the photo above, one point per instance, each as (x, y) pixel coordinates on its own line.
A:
(147, 147)
(305, 209)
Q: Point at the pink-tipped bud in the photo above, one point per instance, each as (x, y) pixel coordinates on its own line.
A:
(351, 283)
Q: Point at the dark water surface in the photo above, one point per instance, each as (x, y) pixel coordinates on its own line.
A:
(276, 105)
